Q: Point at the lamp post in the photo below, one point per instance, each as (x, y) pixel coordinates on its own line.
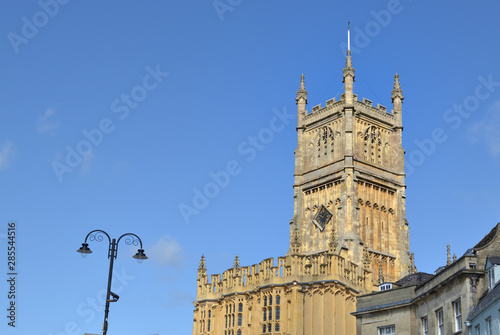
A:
(130, 239)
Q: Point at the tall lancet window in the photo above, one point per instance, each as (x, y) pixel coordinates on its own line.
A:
(325, 144)
(373, 145)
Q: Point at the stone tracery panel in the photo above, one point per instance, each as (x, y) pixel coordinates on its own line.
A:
(323, 144)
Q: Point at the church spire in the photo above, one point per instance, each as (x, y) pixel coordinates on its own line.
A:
(349, 71)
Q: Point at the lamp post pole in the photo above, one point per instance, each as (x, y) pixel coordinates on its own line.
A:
(131, 239)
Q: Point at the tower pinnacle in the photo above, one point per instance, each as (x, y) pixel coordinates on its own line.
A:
(301, 100)
(397, 92)
(397, 100)
(348, 79)
(301, 93)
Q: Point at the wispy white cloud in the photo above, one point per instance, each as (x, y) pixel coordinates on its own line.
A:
(176, 298)
(7, 152)
(46, 123)
(486, 130)
(166, 252)
(86, 161)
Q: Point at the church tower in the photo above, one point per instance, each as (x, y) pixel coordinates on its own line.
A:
(348, 233)
(350, 181)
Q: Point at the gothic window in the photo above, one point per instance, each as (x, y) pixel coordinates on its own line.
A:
(209, 314)
(270, 300)
(208, 327)
(269, 328)
(277, 313)
(325, 141)
(264, 328)
(239, 332)
(372, 145)
(265, 315)
(277, 327)
(240, 319)
(278, 299)
(265, 301)
(240, 307)
(270, 314)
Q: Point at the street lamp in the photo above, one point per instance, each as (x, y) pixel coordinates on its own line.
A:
(131, 239)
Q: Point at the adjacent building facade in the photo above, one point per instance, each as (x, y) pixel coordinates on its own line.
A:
(460, 298)
(348, 233)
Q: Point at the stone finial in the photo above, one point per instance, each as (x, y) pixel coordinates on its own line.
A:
(301, 93)
(454, 257)
(295, 243)
(202, 270)
(380, 272)
(397, 92)
(448, 255)
(236, 262)
(202, 263)
(366, 259)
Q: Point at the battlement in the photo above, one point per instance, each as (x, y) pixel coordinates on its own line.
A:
(298, 268)
(378, 112)
(362, 106)
(319, 112)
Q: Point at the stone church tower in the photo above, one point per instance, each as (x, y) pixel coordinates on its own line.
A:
(349, 185)
(348, 233)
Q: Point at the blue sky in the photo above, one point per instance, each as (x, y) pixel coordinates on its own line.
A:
(115, 114)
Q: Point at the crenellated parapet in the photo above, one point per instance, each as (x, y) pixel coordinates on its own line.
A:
(364, 106)
(378, 112)
(291, 268)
